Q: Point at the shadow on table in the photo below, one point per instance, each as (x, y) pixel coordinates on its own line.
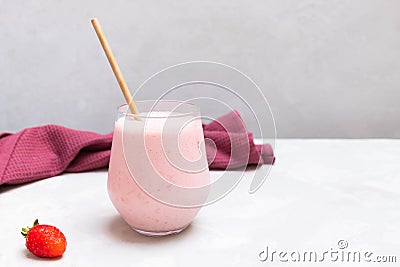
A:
(246, 168)
(29, 255)
(6, 187)
(121, 231)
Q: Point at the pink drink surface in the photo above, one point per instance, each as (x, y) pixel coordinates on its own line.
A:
(139, 210)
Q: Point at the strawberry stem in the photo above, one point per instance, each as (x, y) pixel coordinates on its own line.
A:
(25, 230)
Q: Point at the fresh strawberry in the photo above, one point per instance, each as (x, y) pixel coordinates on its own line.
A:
(44, 241)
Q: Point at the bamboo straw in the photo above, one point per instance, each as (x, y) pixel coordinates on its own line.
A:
(114, 66)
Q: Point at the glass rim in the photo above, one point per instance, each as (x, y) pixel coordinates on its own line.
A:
(124, 110)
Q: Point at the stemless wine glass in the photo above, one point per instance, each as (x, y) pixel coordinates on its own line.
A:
(154, 152)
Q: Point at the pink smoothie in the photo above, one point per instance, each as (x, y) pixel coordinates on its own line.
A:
(150, 151)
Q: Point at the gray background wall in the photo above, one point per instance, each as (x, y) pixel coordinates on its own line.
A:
(329, 68)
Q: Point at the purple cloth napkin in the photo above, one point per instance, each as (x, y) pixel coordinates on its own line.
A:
(45, 151)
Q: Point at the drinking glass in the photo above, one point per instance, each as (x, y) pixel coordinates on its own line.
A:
(158, 173)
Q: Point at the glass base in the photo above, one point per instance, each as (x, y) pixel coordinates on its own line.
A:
(155, 234)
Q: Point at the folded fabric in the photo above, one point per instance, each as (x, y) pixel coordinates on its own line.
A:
(46, 151)
(230, 146)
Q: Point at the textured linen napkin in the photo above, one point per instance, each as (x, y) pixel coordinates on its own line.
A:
(46, 151)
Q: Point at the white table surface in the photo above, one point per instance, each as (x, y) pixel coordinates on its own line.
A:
(318, 192)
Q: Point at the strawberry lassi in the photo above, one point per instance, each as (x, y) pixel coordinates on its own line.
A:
(158, 170)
